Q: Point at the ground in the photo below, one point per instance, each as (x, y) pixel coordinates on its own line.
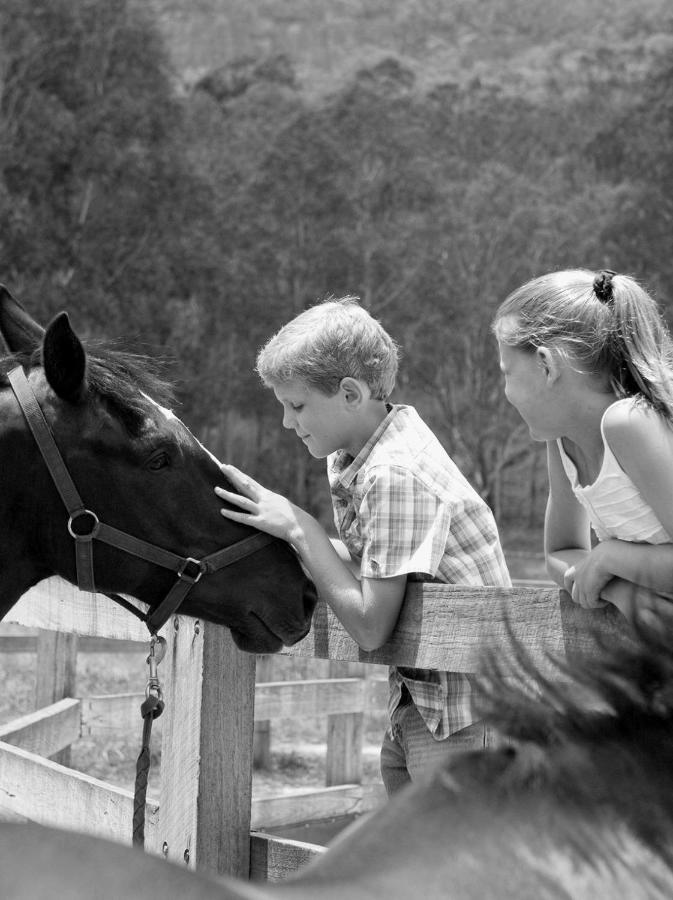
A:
(297, 747)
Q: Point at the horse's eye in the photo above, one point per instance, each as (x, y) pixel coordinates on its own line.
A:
(159, 461)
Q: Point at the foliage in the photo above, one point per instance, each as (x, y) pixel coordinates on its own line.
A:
(203, 219)
(100, 212)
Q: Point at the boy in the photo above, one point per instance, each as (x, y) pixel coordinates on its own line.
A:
(402, 511)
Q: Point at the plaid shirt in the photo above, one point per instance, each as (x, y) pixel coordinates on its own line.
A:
(402, 506)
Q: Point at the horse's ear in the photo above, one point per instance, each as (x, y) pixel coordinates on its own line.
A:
(19, 333)
(64, 359)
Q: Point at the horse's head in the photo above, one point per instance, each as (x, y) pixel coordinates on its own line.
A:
(141, 471)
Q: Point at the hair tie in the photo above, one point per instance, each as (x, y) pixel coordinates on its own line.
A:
(603, 286)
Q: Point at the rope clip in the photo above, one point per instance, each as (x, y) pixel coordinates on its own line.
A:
(157, 653)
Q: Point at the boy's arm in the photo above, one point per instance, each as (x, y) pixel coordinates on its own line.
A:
(368, 609)
(342, 552)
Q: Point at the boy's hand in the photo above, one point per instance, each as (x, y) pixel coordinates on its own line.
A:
(257, 506)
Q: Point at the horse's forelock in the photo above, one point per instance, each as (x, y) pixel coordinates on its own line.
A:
(126, 376)
(130, 383)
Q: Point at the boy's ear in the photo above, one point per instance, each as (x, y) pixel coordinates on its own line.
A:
(352, 390)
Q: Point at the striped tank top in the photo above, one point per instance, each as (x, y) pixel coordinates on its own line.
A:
(613, 503)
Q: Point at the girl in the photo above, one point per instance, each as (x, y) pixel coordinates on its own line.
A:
(588, 363)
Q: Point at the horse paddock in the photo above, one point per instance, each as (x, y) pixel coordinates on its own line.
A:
(200, 818)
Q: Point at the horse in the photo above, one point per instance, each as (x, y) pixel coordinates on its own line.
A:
(103, 486)
(576, 802)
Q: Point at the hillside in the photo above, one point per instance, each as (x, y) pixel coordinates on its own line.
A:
(525, 44)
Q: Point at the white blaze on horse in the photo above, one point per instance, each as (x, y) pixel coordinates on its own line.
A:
(101, 487)
(579, 806)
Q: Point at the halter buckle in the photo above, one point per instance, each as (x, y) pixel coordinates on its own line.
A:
(191, 570)
(83, 535)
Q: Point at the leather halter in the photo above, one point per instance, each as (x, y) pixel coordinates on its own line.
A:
(85, 526)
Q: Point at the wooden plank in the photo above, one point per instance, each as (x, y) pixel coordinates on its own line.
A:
(102, 714)
(261, 748)
(56, 666)
(27, 643)
(18, 643)
(345, 739)
(310, 804)
(45, 731)
(449, 627)
(274, 858)
(316, 697)
(45, 792)
(207, 735)
(56, 673)
(273, 700)
(56, 605)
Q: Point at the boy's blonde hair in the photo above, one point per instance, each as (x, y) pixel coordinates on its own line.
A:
(330, 341)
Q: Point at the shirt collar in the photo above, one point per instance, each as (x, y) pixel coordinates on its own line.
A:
(345, 467)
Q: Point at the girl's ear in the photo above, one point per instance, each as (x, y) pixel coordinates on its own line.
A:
(352, 390)
(549, 362)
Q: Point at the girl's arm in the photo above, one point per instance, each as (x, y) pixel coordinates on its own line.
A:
(568, 551)
(643, 445)
(368, 609)
(567, 531)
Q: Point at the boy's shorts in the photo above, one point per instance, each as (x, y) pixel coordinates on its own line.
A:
(409, 752)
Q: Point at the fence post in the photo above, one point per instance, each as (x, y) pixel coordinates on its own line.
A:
(56, 674)
(262, 738)
(206, 765)
(345, 735)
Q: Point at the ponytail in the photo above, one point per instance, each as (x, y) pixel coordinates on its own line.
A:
(604, 322)
(642, 350)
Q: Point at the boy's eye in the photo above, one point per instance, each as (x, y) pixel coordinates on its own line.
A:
(297, 407)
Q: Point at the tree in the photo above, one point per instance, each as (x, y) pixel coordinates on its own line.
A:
(100, 212)
(632, 153)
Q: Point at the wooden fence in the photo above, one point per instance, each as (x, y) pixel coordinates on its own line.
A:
(205, 814)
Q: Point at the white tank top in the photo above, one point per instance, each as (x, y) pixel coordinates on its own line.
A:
(615, 507)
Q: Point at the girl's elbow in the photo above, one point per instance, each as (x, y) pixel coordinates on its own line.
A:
(550, 568)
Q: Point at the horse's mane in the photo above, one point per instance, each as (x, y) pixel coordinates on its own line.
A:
(628, 684)
(601, 738)
(626, 687)
(123, 380)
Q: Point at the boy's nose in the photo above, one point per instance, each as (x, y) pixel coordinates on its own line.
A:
(288, 420)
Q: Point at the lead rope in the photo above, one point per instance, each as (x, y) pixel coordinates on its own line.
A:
(151, 709)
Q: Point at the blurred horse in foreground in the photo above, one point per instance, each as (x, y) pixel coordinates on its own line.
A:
(576, 803)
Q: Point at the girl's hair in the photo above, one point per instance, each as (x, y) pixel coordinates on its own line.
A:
(328, 342)
(606, 323)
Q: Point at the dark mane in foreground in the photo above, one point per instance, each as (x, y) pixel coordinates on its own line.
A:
(119, 378)
(599, 739)
(628, 687)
